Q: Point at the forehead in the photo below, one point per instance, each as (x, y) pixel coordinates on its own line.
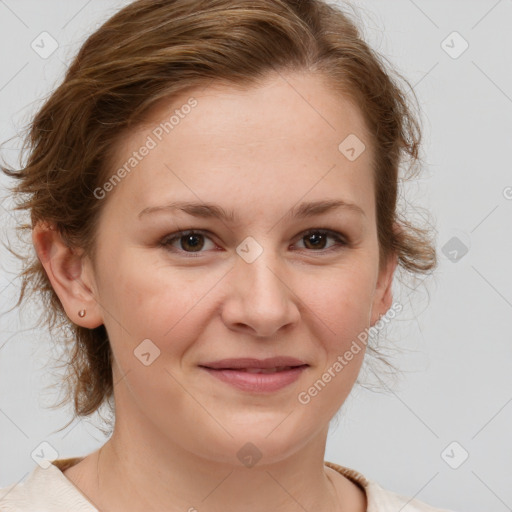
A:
(281, 139)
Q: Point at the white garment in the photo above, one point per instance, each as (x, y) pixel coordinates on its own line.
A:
(49, 490)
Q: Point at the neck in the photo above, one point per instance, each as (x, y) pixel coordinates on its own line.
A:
(147, 472)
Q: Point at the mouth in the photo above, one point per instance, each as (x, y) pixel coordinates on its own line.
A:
(257, 376)
(279, 363)
(260, 370)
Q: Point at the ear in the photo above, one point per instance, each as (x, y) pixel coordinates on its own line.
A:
(69, 273)
(383, 296)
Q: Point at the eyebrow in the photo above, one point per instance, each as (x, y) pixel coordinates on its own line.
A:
(209, 210)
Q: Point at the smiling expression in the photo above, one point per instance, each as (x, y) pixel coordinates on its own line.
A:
(244, 233)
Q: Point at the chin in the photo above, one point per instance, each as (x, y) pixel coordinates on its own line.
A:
(262, 443)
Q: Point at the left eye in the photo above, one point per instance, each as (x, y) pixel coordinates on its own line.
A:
(316, 238)
(193, 241)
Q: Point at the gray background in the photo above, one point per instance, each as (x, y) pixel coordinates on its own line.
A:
(453, 337)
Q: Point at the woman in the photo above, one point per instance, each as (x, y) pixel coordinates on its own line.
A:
(213, 197)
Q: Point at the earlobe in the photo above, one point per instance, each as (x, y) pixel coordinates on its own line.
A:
(64, 267)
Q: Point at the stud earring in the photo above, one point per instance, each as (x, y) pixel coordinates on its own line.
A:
(81, 313)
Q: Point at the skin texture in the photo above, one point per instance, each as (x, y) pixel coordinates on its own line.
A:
(259, 151)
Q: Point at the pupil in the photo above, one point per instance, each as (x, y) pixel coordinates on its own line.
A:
(189, 240)
(316, 238)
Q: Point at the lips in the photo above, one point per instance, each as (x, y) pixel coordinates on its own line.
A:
(257, 375)
(252, 365)
(263, 370)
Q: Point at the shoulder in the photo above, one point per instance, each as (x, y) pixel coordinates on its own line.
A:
(389, 500)
(45, 489)
(382, 500)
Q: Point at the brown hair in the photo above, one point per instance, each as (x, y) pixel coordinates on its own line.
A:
(153, 49)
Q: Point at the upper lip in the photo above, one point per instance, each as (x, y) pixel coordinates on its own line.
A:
(271, 362)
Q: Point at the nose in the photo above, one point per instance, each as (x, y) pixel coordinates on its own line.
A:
(260, 300)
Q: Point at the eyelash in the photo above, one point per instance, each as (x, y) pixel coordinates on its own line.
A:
(342, 242)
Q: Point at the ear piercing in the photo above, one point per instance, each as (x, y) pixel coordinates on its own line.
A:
(81, 313)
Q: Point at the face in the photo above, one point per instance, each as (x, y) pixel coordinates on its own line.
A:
(269, 278)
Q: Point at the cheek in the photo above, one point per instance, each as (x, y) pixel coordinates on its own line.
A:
(340, 301)
(339, 313)
(154, 301)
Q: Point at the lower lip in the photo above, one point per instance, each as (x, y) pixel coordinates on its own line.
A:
(258, 382)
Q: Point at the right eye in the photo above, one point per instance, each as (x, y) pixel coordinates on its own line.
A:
(190, 241)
